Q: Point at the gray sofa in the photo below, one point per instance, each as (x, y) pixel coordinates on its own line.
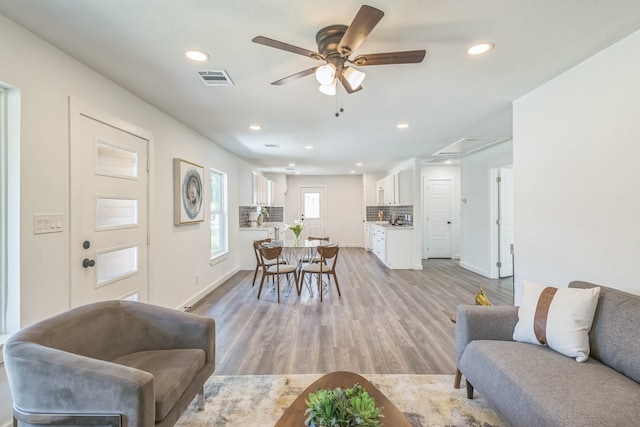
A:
(119, 362)
(531, 385)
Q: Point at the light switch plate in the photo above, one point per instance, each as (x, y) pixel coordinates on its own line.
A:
(47, 223)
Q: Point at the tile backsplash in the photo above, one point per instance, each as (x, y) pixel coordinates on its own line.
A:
(275, 214)
(387, 211)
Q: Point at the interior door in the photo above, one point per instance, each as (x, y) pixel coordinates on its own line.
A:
(438, 218)
(505, 222)
(313, 210)
(108, 211)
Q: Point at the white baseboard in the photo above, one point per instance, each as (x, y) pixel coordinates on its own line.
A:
(197, 297)
(475, 269)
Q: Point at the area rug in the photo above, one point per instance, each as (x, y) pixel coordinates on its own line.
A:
(260, 400)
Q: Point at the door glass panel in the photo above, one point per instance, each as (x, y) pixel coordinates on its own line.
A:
(312, 205)
(116, 161)
(132, 297)
(116, 264)
(113, 212)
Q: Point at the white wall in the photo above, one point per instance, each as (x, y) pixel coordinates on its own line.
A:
(47, 78)
(576, 174)
(452, 173)
(476, 185)
(344, 205)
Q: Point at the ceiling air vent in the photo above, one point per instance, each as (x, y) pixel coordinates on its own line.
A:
(467, 146)
(271, 145)
(215, 78)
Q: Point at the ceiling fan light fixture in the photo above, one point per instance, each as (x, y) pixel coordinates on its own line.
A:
(326, 74)
(353, 76)
(329, 89)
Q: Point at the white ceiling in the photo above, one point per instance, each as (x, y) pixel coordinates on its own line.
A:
(139, 44)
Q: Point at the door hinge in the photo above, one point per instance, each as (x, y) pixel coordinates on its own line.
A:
(148, 238)
(498, 264)
(148, 165)
(498, 179)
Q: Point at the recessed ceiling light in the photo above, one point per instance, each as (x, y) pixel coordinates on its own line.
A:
(480, 48)
(358, 164)
(297, 172)
(255, 127)
(352, 171)
(291, 165)
(403, 125)
(448, 162)
(308, 147)
(197, 55)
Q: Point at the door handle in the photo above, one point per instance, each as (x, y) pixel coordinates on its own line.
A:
(86, 263)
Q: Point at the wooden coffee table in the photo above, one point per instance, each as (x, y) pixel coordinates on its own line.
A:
(294, 415)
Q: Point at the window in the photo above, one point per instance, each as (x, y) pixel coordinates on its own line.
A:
(219, 241)
(311, 205)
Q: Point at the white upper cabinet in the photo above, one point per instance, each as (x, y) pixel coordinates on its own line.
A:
(253, 189)
(278, 189)
(395, 189)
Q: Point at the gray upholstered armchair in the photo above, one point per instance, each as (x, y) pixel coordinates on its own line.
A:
(122, 362)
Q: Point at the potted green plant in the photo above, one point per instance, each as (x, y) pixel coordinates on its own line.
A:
(350, 407)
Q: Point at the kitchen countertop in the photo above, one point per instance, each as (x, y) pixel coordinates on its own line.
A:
(264, 226)
(387, 224)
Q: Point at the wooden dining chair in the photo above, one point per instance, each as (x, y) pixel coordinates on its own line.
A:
(257, 244)
(312, 256)
(326, 266)
(271, 267)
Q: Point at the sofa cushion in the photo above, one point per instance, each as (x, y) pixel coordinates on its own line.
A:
(615, 333)
(534, 386)
(559, 318)
(173, 371)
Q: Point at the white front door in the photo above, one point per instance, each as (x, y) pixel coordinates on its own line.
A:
(314, 211)
(108, 209)
(437, 221)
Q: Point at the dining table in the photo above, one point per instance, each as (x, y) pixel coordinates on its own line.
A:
(297, 250)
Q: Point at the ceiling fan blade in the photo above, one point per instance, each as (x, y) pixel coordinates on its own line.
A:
(406, 57)
(294, 77)
(347, 86)
(287, 47)
(364, 21)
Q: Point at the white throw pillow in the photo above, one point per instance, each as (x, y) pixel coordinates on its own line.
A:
(569, 315)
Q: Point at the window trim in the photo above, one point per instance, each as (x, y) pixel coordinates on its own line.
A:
(223, 253)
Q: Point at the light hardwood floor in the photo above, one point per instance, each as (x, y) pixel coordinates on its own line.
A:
(386, 322)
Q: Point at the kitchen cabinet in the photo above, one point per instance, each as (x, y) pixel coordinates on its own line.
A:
(387, 190)
(368, 229)
(395, 189)
(392, 245)
(278, 189)
(247, 235)
(253, 189)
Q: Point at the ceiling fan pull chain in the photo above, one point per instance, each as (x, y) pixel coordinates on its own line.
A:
(339, 100)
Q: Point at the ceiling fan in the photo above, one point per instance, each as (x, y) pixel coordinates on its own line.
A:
(335, 44)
